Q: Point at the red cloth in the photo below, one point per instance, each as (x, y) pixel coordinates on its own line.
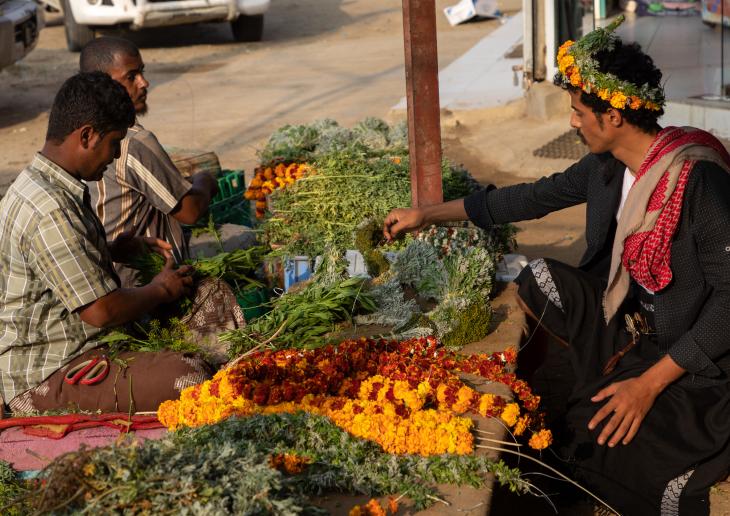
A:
(56, 427)
(647, 255)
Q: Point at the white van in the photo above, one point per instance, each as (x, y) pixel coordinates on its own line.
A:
(82, 17)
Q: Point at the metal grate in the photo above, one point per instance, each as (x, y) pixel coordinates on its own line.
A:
(565, 146)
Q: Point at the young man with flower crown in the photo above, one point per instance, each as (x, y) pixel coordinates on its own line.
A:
(646, 315)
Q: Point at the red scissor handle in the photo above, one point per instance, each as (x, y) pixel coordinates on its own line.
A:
(88, 372)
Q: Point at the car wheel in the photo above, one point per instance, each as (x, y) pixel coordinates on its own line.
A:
(248, 28)
(77, 36)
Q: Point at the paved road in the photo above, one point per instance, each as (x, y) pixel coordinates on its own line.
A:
(319, 58)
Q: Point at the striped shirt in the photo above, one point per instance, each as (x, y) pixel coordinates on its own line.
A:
(53, 261)
(137, 194)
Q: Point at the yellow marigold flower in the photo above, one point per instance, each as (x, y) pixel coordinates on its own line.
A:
(652, 105)
(604, 94)
(541, 440)
(424, 389)
(575, 78)
(510, 414)
(564, 49)
(565, 62)
(618, 100)
(486, 403)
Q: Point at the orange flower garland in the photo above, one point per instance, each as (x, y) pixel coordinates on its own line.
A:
(377, 390)
(268, 179)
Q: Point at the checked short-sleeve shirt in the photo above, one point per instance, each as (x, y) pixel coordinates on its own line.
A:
(53, 260)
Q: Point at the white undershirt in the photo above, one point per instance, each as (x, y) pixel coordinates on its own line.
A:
(628, 183)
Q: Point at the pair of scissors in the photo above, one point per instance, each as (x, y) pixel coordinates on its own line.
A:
(88, 372)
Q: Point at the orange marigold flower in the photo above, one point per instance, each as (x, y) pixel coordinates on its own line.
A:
(636, 102)
(541, 440)
(392, 505)
(575, 78)
(268, 173)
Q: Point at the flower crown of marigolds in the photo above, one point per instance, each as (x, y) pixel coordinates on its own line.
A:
(578, 69)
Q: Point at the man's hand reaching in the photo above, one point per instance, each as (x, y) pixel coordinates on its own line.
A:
(403, 220)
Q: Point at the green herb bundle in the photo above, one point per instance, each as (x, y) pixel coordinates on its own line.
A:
(302, 319)
(233, 267)
(325, 207)
(224, 469)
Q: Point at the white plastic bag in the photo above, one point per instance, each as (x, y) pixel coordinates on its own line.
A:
(468, 9)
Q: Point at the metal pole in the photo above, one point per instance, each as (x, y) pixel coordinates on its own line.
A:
(422, 94)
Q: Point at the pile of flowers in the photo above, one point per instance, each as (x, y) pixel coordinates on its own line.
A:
(406, 396)
(269, 178)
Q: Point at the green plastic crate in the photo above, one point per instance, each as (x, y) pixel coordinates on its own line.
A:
(229, 205)
(253, 302)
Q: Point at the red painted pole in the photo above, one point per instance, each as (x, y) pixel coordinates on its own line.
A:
(422, 94)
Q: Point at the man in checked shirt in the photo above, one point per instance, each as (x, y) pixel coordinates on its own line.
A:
(142, 192)
(59, 293)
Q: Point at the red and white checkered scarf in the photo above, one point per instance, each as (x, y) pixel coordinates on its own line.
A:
(649, 220)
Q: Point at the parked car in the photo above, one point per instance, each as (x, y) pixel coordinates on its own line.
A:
(83, 17)
(20, 23)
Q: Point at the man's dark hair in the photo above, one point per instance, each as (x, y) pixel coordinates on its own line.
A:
(99, 54)
(93, 99)
(628, 63)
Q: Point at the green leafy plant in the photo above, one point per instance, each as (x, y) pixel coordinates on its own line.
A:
(224, 469)
(175, 336)
(302, 319)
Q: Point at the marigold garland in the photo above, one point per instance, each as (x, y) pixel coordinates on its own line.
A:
(269, 178)
(378, 390)
(579, 69)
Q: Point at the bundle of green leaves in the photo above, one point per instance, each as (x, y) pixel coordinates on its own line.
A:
(303, 318)
(238, 266)
(225, 469)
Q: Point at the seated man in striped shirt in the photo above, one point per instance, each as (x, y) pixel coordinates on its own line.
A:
(142, 192)
(58, 290)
